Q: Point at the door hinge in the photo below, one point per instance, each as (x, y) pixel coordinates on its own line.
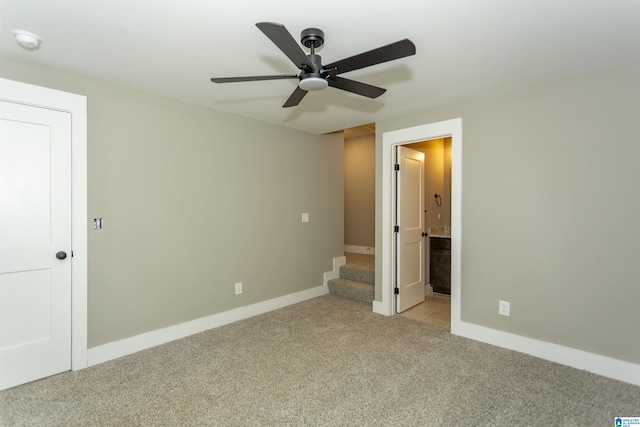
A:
(396, 167)
(396, 291)
(396, 228)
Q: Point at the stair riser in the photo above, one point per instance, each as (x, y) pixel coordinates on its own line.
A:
(345, 291)
(350, 273)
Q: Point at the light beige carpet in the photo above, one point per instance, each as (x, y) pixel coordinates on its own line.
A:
(323, 362)
(361, 261)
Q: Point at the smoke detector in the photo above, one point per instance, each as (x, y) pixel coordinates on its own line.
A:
(26, 39)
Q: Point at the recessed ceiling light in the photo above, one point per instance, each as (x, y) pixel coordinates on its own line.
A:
(26, 39)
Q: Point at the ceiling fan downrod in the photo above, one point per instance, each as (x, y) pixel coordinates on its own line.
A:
(313, 80)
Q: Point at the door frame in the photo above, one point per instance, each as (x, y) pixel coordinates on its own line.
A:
(76, 105)
(384, 301)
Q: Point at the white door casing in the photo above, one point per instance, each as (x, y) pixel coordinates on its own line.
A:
(48, 102)
(384, 303)
(410, 221)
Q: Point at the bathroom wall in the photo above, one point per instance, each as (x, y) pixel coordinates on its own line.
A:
(437, 180)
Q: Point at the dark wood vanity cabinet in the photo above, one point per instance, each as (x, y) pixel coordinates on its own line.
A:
(440, 264)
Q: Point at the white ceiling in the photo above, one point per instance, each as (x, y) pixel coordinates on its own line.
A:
(464, 48)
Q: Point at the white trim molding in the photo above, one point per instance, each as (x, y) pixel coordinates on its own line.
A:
(335, 273)
(384, 304)
(602, 365)
(116, 349)
(76, 105)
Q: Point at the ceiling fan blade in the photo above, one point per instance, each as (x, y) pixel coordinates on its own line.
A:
(250, 79)
(382, 54)
(295, 97)
(355, 87)
(279, 35)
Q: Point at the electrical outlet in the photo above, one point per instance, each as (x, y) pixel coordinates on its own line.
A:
(305, 217)
(504, 308)
(238, 288)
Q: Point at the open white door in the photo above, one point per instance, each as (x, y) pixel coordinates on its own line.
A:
(410, 222)
(35, 243)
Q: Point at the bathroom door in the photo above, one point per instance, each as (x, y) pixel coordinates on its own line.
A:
(35, 243)
(410, 222)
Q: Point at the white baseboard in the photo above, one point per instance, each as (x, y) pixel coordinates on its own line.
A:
(113, 350)
(335, 273)
(379, 308)
(360, 249)
(602, 365)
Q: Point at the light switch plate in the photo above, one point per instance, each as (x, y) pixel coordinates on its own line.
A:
(305, 217)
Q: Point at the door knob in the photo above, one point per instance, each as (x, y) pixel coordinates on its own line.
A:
(61, 255)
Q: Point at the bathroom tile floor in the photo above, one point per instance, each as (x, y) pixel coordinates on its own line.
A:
(435, 310)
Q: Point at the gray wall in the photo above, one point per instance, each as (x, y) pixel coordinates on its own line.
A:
(359, 190)
(194, 200)
(551, 209)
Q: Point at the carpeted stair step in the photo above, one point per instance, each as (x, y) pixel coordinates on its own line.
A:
(352, 289)
(358, 274)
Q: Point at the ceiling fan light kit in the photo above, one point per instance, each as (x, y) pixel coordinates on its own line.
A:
(313, 75)
(313, 83)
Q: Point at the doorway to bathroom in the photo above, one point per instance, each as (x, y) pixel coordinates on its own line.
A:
(434, 302)
(384, 303)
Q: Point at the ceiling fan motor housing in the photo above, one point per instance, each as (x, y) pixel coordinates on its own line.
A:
(316, 60)
(313, 80)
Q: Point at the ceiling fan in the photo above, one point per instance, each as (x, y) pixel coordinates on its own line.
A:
(315, 76)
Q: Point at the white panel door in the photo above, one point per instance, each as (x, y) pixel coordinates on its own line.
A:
(35, 225)
(409, 218)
